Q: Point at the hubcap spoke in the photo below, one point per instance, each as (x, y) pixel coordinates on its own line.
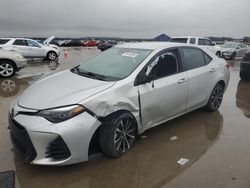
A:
(124, 135)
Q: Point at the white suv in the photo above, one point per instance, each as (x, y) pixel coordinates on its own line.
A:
(30, 48)
(199, 41)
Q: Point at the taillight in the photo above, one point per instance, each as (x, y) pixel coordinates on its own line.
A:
(227, 65)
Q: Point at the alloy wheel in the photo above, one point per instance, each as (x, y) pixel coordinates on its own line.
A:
(216, 97)
(6, 69)
(125, 134)
(52, 56)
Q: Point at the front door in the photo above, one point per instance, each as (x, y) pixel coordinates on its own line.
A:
(166, 95)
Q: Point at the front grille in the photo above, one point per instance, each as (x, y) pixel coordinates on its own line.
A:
(57, 149)
(20, 138)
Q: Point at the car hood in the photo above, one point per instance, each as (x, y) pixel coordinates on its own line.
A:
(61, 89)
(226, 49)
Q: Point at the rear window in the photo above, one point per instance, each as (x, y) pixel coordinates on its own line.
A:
(20, 42)
(179, 40)
(4, 41)
(193, 58)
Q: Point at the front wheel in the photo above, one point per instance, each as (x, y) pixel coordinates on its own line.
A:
(7, 69)
(233, 56)
(118, 136)
(51, 56)
(218, 54)
(215, 99)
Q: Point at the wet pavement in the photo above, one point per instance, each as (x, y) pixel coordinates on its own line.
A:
(213, 149)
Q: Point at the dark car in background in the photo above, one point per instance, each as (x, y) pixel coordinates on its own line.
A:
(245, 67)
(89, 43)
(104, 45)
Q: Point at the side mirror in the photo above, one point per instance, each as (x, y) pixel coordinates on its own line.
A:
(143, 79)
(213, 44)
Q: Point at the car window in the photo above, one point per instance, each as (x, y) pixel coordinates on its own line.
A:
(205, 42)
(192, 58)
(179, 40)
(207, 58)
(4, 41)
(20, 42)
(239, 46)
(192, 41)
(164, 65)
(32, 43)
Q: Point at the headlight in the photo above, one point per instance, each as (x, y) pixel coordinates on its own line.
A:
(57, 115)
(18, 56)
(229, 51)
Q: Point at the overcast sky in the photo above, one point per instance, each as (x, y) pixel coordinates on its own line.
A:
(124, 18)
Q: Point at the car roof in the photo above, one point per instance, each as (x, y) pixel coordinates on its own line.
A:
(189, 37)
(152, 45)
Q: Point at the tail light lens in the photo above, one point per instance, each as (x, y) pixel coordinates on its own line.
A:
(227, 66)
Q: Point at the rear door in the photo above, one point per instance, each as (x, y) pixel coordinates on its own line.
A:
(200, 72)
(20, 45)
(166, 95)
(241, 50)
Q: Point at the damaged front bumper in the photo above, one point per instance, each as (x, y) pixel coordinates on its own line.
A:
(46, 143)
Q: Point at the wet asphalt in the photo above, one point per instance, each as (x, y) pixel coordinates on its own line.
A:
(199, 149)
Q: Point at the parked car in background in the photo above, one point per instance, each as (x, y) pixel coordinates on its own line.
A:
(104, 45)
(10, 63)
(232, 50)
(245, 67)
(199, 41)
(30, 48)
(110, 99)
(89, 43)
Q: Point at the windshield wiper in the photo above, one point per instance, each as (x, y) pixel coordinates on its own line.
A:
(88, 74)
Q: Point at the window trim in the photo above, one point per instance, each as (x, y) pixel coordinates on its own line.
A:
(183, 59)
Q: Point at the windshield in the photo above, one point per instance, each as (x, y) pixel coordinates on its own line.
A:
(113, 64)
(229, 45)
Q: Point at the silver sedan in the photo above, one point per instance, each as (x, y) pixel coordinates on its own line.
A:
(109, 100)
(232, 50)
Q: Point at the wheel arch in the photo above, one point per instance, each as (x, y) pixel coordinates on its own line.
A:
(9, 60)
(94, 145)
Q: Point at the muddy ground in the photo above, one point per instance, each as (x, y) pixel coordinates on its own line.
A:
(216, 145)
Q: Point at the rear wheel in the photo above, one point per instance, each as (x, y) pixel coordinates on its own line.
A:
(118, 136)
(7, 69)
(51, 56)
(215, 99)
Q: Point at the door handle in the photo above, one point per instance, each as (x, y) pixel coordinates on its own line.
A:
(183, 80)
(212, 70)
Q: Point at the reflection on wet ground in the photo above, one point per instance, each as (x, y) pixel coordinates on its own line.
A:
(216, 145)
(152, 163)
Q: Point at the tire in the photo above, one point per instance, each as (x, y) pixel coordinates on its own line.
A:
(118, 135)
(218, 54)
(215, 98)
(233, 56)
(51, 56)
(7, 69)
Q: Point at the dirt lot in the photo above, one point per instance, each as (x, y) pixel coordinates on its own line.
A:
(217, 145)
